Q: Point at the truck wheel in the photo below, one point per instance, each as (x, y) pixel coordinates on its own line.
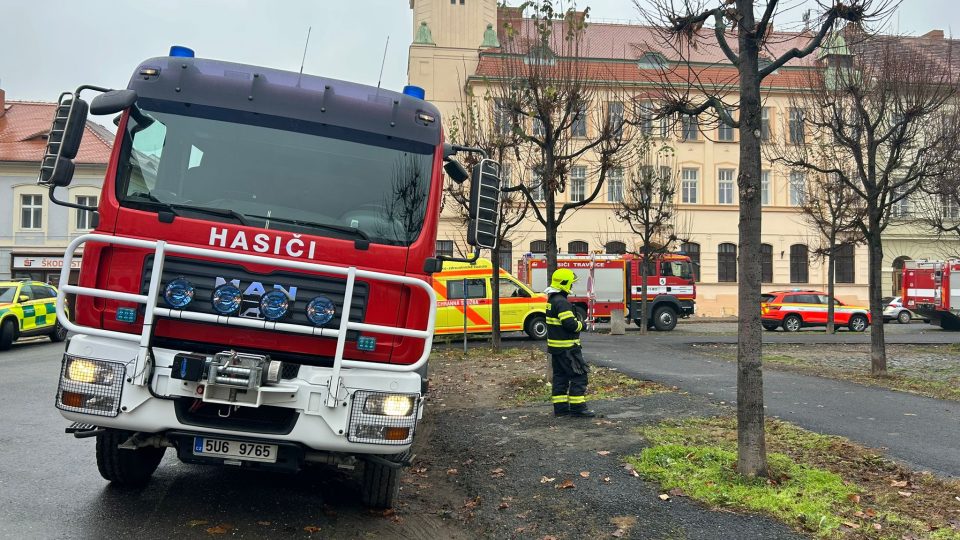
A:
(858, 323)
(381, 485)
(129, 468)
(770, 327)
(792, 323)
(581, 313)
(8, 333)
(59, 333)
(904, 317)
(664, 318)
(536, 327)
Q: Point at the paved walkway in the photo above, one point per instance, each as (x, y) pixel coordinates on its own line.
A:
(921, 432)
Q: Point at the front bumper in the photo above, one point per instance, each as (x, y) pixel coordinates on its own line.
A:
(301, 401)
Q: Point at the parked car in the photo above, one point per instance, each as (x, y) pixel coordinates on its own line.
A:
(28, 308)
(798, 308)
(893, 309)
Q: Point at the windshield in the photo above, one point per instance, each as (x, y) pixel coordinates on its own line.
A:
(6, 294)
(681, 269)
(274, 173)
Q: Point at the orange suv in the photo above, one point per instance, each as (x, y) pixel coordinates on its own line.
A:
(798, 308)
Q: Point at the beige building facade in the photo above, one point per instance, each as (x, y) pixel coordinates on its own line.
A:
(452, 40)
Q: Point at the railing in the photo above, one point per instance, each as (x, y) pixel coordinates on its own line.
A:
(161, 248)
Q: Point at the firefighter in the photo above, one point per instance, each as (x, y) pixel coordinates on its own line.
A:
(563, 344)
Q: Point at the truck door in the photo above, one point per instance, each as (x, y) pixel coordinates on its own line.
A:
(514, 304)
(476, 292)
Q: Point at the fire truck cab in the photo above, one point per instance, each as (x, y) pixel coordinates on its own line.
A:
(931, 289)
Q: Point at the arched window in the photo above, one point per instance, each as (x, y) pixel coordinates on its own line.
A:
(616, 247)
(578, 246)
(692, 249)
(799, 264)
(766, 263)
(898, 274)
(506, 255)
(538, 246)
(727, 263)
(844, 264)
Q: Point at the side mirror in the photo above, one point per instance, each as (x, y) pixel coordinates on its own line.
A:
(456, 171)
(24, 298)
(63, 142)
(484, 205)
(112, 102)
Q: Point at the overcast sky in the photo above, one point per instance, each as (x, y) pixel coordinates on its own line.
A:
(54, 45)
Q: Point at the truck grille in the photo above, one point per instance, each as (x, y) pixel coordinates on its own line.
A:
(203, 276)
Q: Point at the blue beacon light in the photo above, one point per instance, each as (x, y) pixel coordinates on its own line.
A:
(414, 91)
(181, 51)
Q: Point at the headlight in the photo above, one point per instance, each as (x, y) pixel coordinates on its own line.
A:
(178, 293)
(87, 371)
(226, 299)
(320, 310)
(388, 405)
(274, 305)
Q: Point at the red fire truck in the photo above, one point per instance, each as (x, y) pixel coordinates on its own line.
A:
(256, 293)
(931, 289)
(608, 282)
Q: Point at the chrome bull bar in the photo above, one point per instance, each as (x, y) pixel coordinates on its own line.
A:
(161, 248)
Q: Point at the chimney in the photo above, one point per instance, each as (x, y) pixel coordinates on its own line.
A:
(934, 34)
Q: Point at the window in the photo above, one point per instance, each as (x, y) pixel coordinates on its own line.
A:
(538, 246)
(652, 60)
(502, 123)
(797, 188)
(615, 247)
(765, 188)
(87, 219)
(725, 186)
(844, 270)
(692, 249)
(578, 183)
(949, 207)
(538, 130)
(579, 126)
(445, 248)
(537, 193)
(646, 118)
(31, 211)
(506, 174)
(506, 255)
(578, 246)
(476, 288)
(799, 264)
(900, 208)
(796, 126)
(688, 186)
(766, 263)
(689, 126)
(765, 124)
(725, 130)
(615, 117)
(615, 185)
(727, 263)
(510, 289)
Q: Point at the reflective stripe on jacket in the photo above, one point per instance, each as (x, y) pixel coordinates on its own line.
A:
(563, 327)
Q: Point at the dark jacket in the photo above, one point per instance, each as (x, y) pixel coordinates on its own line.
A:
(563, 327)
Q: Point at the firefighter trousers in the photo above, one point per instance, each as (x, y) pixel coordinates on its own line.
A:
(569, 379)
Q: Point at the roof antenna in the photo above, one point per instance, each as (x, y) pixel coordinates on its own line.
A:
(383, 63)
(304, 59)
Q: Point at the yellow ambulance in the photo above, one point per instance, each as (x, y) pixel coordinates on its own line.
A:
(520, 308)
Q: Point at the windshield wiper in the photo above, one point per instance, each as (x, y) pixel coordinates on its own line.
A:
(173, 207)
(352, 231)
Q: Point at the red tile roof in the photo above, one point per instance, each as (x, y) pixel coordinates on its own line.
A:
(24, 127)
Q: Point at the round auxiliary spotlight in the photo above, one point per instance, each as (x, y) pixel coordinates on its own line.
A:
(226, 299)
(320, 310)
(178, 293)
(274, 305)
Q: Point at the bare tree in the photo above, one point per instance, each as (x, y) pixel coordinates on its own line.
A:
(547, 93)
(649, 209)
(939, 205)
(742, 30)
(877, 116)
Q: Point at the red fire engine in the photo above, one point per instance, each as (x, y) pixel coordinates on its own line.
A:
(931, 289)
(608, 282)
(256, 293)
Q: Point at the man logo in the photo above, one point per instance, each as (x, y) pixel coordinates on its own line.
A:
(250, 305)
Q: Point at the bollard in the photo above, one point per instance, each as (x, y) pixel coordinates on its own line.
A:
(618, 325)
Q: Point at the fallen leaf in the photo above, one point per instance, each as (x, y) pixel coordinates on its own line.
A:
(472, 503)
(504, 506)
(854, 498)
(545, 480)
(905, 493)
(223, 528)
(497, 473)
(196, 522)
(603, 453)
(468, 462)
(851, 525)
(618, 533)
(877, 526)
(957, 498)
(566, 484)
(677, 492)
(606, 478)
(664, 497)
(898, 484)
(585, 474)
(311, 529)
(870, 512)
(452, 472)
(908, 414)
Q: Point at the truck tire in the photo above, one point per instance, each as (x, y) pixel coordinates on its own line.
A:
(792, 323)
(770, 327)
(59, 333)
(581, 313)
(8, 333)
(904, 317)
(858, 323)
(664, 318)
(128, 468)
(381, 485)
(536, 327)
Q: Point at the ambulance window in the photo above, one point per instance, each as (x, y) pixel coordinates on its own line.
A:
(510, 289)
(476, 288)
(28, 290)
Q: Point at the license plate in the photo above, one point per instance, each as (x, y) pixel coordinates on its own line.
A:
(204, 446)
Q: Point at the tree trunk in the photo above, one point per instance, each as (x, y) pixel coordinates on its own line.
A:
(831, 286)
(751, 444)
(878, 347)
(551, 228)
(495, 290)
